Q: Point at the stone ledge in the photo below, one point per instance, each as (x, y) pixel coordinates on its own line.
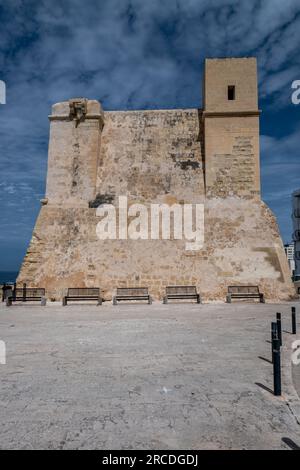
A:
(230, 113)
(66, 117)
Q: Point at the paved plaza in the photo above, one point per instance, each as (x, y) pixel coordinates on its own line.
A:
(176, 376)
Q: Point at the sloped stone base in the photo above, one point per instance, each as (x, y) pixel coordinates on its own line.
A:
(242, 246)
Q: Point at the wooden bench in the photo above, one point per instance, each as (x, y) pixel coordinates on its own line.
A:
(83, 293)
(244, 292)
(181, 292)
(27, 294)
(132, 293)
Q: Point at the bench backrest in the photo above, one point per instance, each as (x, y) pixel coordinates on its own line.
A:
(243, 290)
(83, 291)
(30, 292)
(132, 291)
(181, 290)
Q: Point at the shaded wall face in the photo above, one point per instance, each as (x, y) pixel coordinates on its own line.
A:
(296, 231)
(232, 156)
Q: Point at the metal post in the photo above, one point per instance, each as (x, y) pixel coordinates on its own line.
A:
(14, 291)
(274, 335)
(24, 292)
(276, 367)
(294, 327)
(279, 330)
(3, 291)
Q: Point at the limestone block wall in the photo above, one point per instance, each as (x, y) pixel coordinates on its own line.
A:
(242, 245)
(232, 156)
(152, 156)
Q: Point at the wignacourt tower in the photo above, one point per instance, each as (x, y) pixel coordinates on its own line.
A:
(207, 156)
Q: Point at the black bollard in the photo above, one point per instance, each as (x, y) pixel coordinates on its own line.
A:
(274, 335)
(3, 291)
(279, 330)
(294, 327)
(14, 291)
(276, 367)
(24, 292)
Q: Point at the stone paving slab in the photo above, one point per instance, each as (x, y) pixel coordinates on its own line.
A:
(176, 376)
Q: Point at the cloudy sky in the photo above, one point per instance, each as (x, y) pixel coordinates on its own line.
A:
(136, 54)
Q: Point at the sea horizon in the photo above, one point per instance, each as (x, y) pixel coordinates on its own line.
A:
(8, 276)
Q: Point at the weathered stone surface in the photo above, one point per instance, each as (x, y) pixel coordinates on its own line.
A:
(241, 245)
(208, 156)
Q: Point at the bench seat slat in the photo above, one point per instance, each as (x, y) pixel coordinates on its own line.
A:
(26, 298)
(87, 297)
(128, 297)
(247, 294)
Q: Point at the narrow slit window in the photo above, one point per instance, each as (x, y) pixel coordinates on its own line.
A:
(231, 92)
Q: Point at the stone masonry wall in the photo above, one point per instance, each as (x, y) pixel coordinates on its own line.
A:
(241, 246)
(232, 156)
(152, 156)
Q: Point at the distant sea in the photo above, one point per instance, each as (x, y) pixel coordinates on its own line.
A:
(8, 276)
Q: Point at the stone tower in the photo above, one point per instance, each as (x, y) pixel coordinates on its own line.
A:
(74, 146)
(206, 156)
(231, 128)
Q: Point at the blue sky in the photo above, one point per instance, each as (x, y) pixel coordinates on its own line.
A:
(137, 54)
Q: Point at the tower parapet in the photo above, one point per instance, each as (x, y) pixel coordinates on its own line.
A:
(74, 146)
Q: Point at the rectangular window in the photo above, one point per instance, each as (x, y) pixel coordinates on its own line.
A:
(231, 92)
